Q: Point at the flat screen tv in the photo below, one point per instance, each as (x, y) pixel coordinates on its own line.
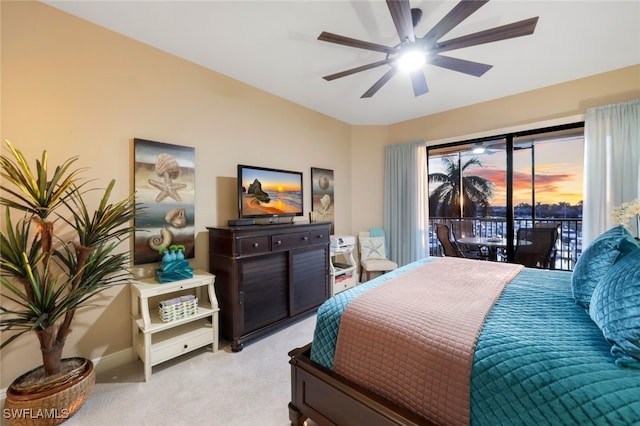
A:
(265, 193)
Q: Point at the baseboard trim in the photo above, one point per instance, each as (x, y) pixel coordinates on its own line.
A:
(100, 364)
(113, 360)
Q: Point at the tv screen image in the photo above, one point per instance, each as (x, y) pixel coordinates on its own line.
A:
(266, 193)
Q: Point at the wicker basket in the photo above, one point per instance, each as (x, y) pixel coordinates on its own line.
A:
(178, 308)
(51, 406)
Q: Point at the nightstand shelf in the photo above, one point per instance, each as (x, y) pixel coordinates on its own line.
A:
(156, 324)
(156, 341)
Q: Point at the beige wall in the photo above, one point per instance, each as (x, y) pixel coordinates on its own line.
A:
(367, 177)
(554, 105)
(73, 88)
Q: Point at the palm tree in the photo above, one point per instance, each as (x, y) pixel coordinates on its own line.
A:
(476, 191)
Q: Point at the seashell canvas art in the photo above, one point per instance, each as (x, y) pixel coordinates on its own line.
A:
(164, 179)
(176, 218)
(168, 169)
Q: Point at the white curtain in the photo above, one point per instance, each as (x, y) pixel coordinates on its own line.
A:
(406, 209)
(611, 164)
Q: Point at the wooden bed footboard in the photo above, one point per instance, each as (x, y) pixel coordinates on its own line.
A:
(327, 398)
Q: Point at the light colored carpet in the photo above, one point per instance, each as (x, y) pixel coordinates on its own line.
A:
(251, 387)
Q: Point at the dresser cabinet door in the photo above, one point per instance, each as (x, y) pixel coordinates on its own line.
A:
(263, 289)
(309, 278)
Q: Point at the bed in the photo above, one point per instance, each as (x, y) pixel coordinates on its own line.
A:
(538, 356)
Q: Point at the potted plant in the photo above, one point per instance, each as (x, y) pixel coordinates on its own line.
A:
(56, 254)
(625, 213)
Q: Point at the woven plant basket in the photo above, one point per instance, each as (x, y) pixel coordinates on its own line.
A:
(55, 403)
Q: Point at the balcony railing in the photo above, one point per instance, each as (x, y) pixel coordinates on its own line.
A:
(568, 245)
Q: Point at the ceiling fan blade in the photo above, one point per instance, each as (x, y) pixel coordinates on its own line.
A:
(356, 69)
(352, 42)
(419, 82)
(504, 32)
(459, 13)
(401, 15)
(378, 84)
(461, 65)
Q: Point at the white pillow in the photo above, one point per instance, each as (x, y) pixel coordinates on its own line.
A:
(372, 248)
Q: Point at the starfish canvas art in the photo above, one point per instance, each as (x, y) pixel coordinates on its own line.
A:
(165, 190)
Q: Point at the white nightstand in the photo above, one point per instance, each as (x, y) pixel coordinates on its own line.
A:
(156, 341)
(344, 274)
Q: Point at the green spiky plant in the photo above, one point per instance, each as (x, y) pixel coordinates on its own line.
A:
(45, 277)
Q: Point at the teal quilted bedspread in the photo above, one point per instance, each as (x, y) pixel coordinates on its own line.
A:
(539, 360)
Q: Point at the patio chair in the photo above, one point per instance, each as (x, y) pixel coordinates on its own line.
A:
(449, 247)
(464, 229)
(554, 251)
(534, 247)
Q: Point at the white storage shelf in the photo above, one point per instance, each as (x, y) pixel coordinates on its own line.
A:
(344, 276)
(156, 341)
(156, 324)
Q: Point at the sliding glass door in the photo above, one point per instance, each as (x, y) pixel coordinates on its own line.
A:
(548, 176)
(499, 184)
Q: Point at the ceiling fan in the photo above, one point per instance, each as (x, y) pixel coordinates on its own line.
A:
(417, 51)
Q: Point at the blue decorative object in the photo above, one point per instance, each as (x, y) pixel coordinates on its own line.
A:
(180, 255)
(173, 266)
(615, 308)
(596, 260)
(166, 258)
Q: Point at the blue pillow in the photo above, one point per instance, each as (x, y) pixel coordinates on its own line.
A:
(596, 260)
(615, 308)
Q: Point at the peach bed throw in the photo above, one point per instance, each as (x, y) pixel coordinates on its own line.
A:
(412, 338)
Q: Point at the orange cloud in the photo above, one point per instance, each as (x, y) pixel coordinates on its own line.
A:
(550, 188)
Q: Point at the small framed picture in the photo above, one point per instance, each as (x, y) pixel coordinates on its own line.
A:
(322, 196)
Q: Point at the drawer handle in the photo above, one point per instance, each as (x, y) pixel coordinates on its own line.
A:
(305, 238)
(255, 245)
(320, 235)
(278, 242)
(186, 346)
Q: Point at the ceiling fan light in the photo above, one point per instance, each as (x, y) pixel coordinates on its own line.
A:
(411, 60)
(478, 149)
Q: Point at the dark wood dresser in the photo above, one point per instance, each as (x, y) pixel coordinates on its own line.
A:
(267, 275)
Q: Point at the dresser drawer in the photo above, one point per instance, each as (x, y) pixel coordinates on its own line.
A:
(318, 237)
(289, 241)
(254, 245)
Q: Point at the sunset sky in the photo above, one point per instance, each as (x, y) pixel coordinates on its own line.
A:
(558, 173)
(272, 180)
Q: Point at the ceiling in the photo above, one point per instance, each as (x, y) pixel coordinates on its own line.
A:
(273, 46)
